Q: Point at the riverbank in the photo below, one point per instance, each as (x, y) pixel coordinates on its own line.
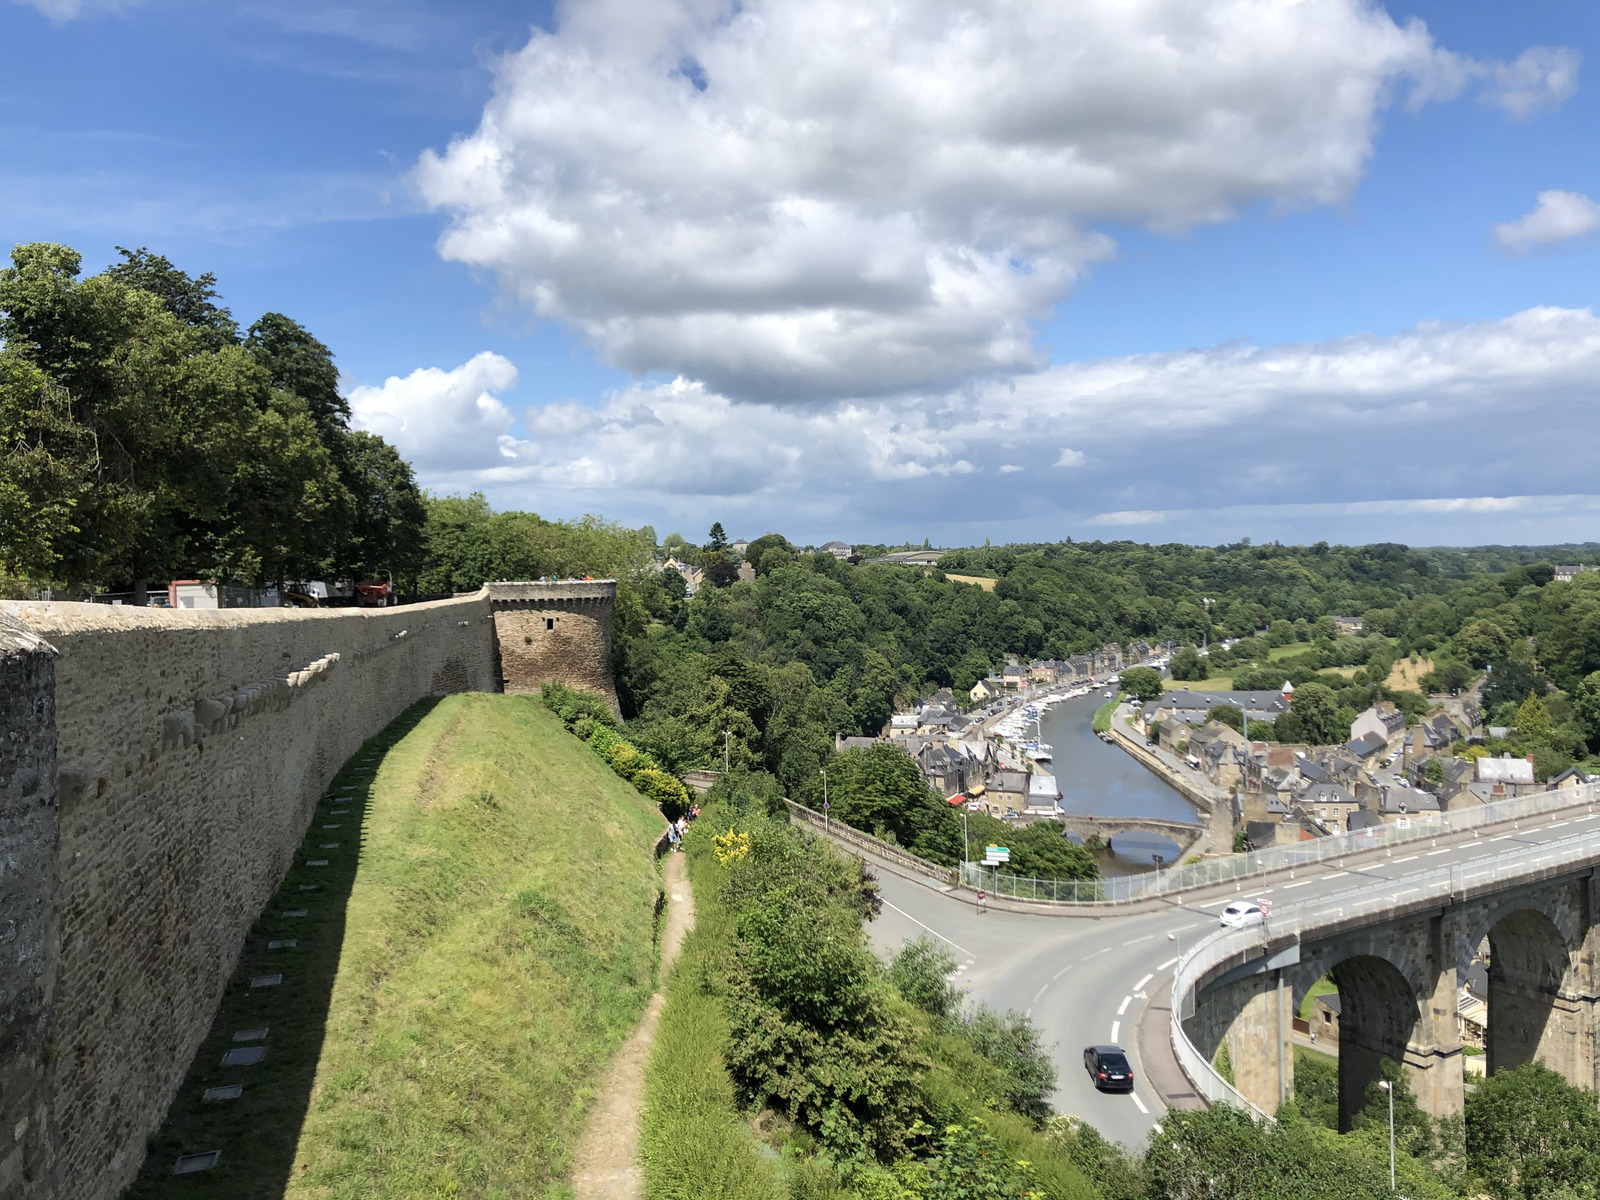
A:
(1102, 715)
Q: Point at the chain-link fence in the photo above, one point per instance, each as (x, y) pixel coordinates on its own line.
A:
(1122, 889)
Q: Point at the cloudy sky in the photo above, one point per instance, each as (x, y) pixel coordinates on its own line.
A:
(1022, 269)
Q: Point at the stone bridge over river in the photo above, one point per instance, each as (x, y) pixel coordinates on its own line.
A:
(1103, 829)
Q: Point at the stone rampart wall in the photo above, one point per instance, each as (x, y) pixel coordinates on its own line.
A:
(189, 751)
(27, 902)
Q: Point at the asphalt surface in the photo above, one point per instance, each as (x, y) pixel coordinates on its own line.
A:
(1085, 981)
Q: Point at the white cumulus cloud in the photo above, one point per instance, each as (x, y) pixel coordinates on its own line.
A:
(444, 421)
(1540, 77)
(1558, 217)
(1440, 410)
(820, 199)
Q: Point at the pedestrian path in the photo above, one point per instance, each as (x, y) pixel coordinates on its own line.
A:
(605, 1164)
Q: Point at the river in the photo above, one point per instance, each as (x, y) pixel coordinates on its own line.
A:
(1099, 780)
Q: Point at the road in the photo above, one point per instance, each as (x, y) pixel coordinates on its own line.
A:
(1084, 980)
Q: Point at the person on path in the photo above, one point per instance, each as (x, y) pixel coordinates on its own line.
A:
(672, 838)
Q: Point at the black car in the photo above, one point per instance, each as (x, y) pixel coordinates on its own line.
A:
(1108, 1068)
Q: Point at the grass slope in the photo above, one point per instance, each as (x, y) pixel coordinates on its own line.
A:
(452, 997)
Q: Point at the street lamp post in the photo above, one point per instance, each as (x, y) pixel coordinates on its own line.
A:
(824, 775)
(726, 734)
(1389, 1089)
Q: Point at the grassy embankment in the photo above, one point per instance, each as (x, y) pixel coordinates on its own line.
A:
(479, 945)
(1102, 715)
(696, 1141)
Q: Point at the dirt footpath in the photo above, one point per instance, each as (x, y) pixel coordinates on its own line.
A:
(604, 1166)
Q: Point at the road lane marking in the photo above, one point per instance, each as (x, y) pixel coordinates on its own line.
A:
(1060, 973)
(918, 923)
(1139, 1103)
(1558, 824)
(1096, 954)
(1040, 992)
(1138, 987)
(1116, 1028)
(1212, 903)
(1123, 1007)
(1436, 853)
(1149, 937)
(1413, 858)
(1302, 883)
(1183, 928)
(1336, 874)
(1166, 964)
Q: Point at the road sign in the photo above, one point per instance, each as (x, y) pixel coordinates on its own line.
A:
(997, 854)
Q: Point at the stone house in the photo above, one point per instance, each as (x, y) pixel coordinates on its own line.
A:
(1513, 772)
(1406, 807)
(837, 549)
(1007, 791)
(1222, 751)
(983, 691)
(1383, 720)
(1325, 1010)
(1330, 805)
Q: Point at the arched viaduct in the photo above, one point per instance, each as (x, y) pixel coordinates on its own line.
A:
(1397, 964)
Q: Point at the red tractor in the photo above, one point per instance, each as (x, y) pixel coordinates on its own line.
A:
(376, 595)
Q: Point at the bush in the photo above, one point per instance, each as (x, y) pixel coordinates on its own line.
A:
(920, 972)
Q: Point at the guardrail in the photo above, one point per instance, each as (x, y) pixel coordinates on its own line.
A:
(1124, 889)
(1296, 921)
(844, 833)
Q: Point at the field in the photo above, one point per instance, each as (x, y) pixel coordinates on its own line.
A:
(982, 581)
(480, 943)
(1407, 675)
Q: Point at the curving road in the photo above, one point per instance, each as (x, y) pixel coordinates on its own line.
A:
(1092, 980)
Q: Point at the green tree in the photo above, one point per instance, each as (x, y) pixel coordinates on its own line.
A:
(1586, 708)
(1315, 709)
(1511, 682)
(1532, 1135)
(1142, 683)
(1187, 664)
(1481, 643)
(880, 790)
(299, 363)
(1228, 715)
(1533, 721)
(191, 300)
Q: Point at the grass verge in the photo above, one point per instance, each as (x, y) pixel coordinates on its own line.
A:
(1102, 715)
(478, 946)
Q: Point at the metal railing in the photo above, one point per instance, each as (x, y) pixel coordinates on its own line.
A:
(1123, 889)
(1296, 921)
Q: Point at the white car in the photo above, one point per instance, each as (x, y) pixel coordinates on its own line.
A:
(1245, 912)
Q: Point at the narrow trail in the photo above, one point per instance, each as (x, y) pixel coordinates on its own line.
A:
(604, 1166)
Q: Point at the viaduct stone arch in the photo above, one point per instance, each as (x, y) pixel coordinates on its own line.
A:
(1398, 983)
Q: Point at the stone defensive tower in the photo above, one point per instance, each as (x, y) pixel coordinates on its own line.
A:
(555, 631)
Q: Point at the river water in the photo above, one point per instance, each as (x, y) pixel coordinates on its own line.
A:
(1101, 780)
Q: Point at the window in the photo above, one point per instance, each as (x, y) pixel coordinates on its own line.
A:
(549, 622)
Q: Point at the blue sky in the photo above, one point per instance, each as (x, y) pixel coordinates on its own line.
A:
(877, 279)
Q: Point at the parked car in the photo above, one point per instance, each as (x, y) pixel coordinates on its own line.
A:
(1108, 1068)
(1245, 912)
